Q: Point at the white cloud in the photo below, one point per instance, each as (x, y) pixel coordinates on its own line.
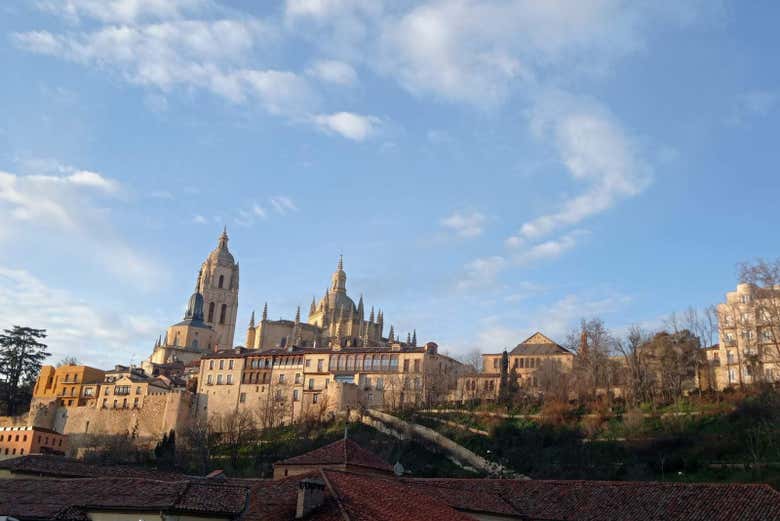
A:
(481, 273)
(333, 71)
(466, 225)
(283, 204)
(351, 126)
(548, 250)
(122, 11)
(90, 332)
(199, 219)
(554, 320)
(259, 211)
(595, 150)
(73, 206)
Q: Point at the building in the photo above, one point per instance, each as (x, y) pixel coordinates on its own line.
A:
(69, 385)
(343, 454)
(128, 387)
(749, 337)
(287, 384)
(218, 284)
(334, 321)
(21, 440)
(532, 359)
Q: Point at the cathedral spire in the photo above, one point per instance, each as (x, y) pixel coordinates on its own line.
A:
(414, 338)
(252, 319)
(340, 267)
(339, 278)
(360, 307)
(298, 315)
(313, 307)
(371, 316)
(390, 335)
(265, 312)
(408, 338)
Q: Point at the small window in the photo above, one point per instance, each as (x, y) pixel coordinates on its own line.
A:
(221, 364)
(229, 379)
(222, 314)
(211, 364)
(219, 379)
(281, 378)
(315, 398)
(242, 398)
(221, 281)
(230, 364)
(209, 380)
(296, 395)
(211, 312)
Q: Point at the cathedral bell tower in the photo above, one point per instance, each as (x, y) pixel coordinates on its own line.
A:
(218, 283)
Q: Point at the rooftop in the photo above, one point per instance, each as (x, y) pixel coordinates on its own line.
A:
(344, 451)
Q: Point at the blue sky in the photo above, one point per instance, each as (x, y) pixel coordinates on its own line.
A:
(488, 168)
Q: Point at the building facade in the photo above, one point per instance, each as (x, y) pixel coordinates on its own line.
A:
(282, 385)
(21, 440)
(69, 385)
(532, 359)
(749, 337)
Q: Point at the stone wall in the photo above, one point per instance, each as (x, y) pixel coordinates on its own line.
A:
(160, 413)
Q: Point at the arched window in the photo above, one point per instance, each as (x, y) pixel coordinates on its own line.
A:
(221, 281)
(211, 312)
(222, 314)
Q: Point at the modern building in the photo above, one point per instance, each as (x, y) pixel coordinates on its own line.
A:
(749, 337)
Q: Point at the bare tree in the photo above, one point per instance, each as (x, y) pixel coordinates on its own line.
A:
(473, 358)
(764, 314)
(236, 429)
(637, 381)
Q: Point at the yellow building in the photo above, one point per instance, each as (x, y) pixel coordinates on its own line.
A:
(67, 384)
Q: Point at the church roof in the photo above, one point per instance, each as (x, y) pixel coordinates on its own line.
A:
(539, 344)
(344, 451)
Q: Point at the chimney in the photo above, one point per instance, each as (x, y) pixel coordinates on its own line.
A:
(311, 495)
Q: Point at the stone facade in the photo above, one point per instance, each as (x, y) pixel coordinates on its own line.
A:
(218, 283)
(749, 337)
(282, 385)
(69, 385)
(334, 321)
(529, 358)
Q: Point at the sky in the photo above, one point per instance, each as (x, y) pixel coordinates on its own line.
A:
(487, 168)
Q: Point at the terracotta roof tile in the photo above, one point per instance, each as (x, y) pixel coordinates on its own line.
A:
(339, 452)
(59, 466)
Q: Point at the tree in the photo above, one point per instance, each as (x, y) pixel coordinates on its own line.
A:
(637, 374)
(236, 430)
(473, 358)
(68, 360)
(165, 450)
(592, 370)
(21, 355)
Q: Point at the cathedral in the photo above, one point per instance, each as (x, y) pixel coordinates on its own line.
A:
(209, 322)
(333, 322)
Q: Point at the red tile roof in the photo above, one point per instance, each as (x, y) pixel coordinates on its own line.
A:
(62, 467)
(69, 499)
(386, 499)
(607, 500)
(339, 453)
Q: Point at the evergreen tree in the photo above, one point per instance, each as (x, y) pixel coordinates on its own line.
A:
(21, 355)
(504, 390)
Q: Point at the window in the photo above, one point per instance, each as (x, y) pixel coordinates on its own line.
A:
(222, 314)
(406, 366)
(114, 406)
(219, 379)
(315, 398)
(221, 281)
(211, 312)
(211, 364)
(495, 363)
(311, 383)
(295, 395)
(242, 397)
(319, 365)
(416, 366)
(230, 364)
(124, 403)
(122, 390)
(281, 378)
(380, 384)
(138, 390)
(744, 298)
(209, 380)
(732, 375)
(135, 402)
(105, 402)
(229, 379)
(297, 378)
